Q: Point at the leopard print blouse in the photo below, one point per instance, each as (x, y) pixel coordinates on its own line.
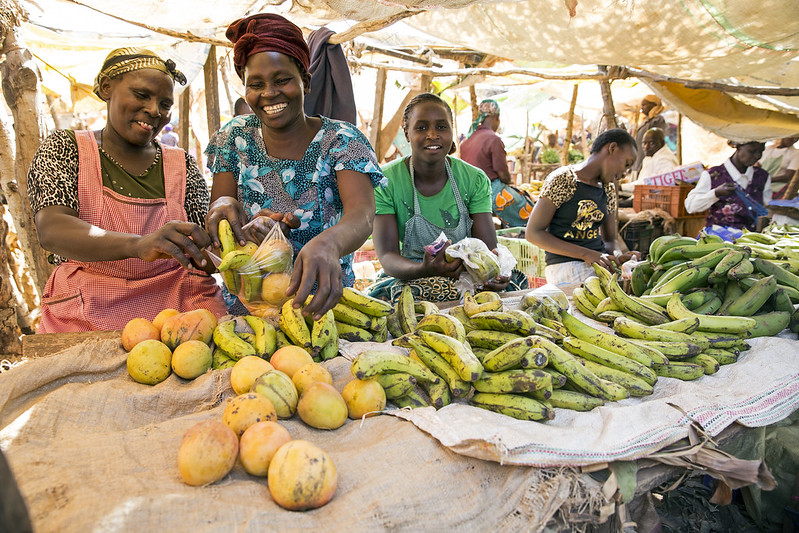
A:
(561, 185)
(53, 178)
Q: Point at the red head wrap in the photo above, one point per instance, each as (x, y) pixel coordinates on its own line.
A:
(266, 32)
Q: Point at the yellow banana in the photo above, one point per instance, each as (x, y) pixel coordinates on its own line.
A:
(558, 379)
(588, 351)
(593, 290)
(634, 330)
(483, 338)
(393, 325)
(439, 393)
(679, 370)
(250, 285)
(645, 356)
(555, 325)
(293, 325)
(457, 354)
(331, 348)
(226, 238)
(349, 315)
(582, 302)
(718, 324)
(496, 321)
(723, 357)
(405, 310)
(513, 381)
(425, 308)
(634, 385)
(435, 362)
(221, 359)
(282, 339)
(459, 313)
(708, 363)
(234, 260)
(414, 399)
(513, 405)
(379, 323)
(444, 324)
(684, 325)
(365, 303)
(576, 401)
(225, 338)
(322, 332)
(534, 358)
(372, 362)
(395, 385)
(528, 326)
(507, 356)
(486, 296)
(265, 336)
(649, 312)
(232, 281)
(565, 363)
(675, 351)
(471, 306)
(353, 333)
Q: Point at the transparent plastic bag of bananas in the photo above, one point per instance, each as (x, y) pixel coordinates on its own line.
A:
(258, 274)
(481, 263)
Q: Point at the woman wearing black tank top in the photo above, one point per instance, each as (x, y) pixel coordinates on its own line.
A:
(574, 218)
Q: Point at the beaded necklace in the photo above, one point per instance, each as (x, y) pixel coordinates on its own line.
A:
(114, 161)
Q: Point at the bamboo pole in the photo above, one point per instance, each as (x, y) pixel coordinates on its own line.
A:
(569, 127)
(377, 115)
(679, 138)
(211, 91)
(22, 94)
(473, 101)
(608, 109)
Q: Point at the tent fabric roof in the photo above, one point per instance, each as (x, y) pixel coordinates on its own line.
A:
(733, 41)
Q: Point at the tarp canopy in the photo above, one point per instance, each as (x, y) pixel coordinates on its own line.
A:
(730, 41)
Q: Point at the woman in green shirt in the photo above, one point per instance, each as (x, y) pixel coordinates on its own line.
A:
(429, 193)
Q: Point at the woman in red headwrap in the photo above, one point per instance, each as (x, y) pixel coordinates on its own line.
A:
(312, 174)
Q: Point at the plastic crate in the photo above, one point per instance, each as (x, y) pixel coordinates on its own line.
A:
(671, 199)
(529, 258)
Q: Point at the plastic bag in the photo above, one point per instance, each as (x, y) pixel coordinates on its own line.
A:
(259, 274)
(727, 233)
(434, 247)
(481, 263)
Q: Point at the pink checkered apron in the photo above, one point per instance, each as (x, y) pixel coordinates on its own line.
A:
(107, 294)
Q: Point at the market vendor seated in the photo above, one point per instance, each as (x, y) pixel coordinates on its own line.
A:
(429, 193)
(717, 186)
(121, 212)
(658, 158)
(574, 218)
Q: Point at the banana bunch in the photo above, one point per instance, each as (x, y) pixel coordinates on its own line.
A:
(407, 313)
(361, 318)
(240, 337)
(779, 243)
(714, 278)
(318, 337)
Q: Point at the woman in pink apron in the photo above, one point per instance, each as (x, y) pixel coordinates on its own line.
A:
(121, 213)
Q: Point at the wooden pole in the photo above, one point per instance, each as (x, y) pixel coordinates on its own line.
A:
(679, 138)
(211, 91)
(793, 187)
(21, 92)
(608, 110)
(569, 127)
(377, 115)
(226, 84)
(583, 144)
(473, 101)
(184, 110)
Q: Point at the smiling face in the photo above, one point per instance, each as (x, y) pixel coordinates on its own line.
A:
(275, 88)
(429, 131)
(617, 162)
(139, 104)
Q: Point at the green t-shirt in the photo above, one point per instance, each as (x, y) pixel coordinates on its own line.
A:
(396, 198)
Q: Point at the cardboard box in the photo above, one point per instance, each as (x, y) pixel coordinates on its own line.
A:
(686, 174)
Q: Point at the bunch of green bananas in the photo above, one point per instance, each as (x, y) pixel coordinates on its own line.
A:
(237, 338)
(715, 278)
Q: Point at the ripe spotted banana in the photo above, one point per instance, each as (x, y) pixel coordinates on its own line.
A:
(234, 260)
(352, 333)
(514, 381)
(471, 306)
(349, 315)
(459, 313)
(365, 303)
(513, 405)
(322, 332)
(293, 325)
(395, 385)
(634, 385)
(372, 362)
(265, 336)
(457, 354)
(497, 321)
(227, 240)
(405, 310)
(225, 338)
(483, 338)
(508, 355)
(440, 366)
(609, 359)
(444, 324)
(634, 330)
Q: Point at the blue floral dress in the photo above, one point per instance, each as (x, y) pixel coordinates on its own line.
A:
(307, 187)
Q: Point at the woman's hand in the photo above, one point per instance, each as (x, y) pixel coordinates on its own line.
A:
(498, 284)
(183, 241)
(231, 209)
(608, 261)
(438, 265)
(317, 262)
(264, 220)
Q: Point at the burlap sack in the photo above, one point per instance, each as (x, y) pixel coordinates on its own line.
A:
(94, 451)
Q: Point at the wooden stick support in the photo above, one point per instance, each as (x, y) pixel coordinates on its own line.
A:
(377, 115)
(569, 127)
(210, 74)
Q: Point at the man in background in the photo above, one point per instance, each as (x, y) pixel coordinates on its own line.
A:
(651, 107)
(241, 107)
(658, 158)
(780, 160)
(169, 137)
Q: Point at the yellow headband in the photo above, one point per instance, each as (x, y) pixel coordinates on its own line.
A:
(124, 60)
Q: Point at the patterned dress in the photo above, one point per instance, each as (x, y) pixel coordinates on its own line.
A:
(306, 187)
